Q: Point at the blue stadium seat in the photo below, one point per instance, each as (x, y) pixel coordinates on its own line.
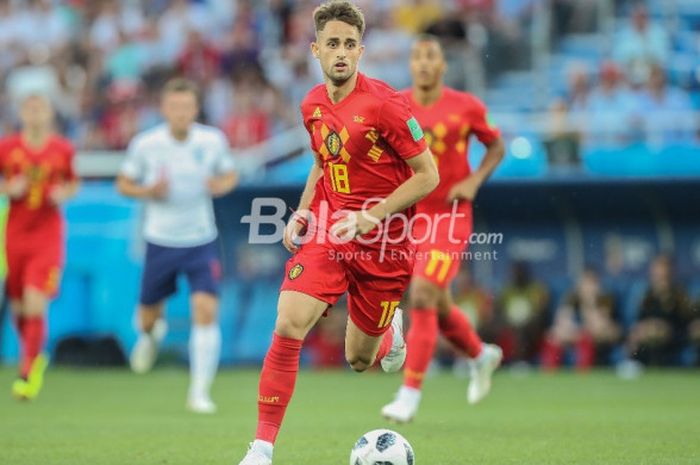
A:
(525, 158)
(678, 160)
(635, 160)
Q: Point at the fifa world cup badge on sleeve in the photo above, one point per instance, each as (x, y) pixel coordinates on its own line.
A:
(416, 130)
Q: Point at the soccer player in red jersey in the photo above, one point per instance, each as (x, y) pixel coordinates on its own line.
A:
(37, 176)
(371, 162)
(449, 118)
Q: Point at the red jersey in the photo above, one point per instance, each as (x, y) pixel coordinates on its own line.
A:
(362, 142)
(33, 217)
(448, 123)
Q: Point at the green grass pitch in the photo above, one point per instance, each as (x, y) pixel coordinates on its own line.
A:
(114, 417)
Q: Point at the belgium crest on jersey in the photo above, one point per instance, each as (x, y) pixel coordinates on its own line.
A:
(334, 143)
(296, 271)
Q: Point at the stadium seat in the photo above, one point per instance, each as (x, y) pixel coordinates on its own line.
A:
(635, 160)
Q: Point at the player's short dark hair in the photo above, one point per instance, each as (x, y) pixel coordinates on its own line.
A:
(339, 10)
(430, 38)
(180, 84)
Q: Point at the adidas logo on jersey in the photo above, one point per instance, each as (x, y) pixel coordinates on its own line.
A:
(317, 113)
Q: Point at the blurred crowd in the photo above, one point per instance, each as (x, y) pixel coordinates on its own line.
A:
(634, 95)
(588, 325)
(102, 61)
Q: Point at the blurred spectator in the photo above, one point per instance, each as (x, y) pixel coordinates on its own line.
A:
(562, 139)
(112, 23)
(667, 112)
(521, 316)
(661, 331)
(127, 61)
(474, 300)
(585, 322)
(413, 16)
(610, 115)
(387, 49)
(43, 24)
(579, 90)
(175, 23)
(199, 61)
(640, 44)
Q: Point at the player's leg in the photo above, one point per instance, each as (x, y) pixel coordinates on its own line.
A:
(313, 282)
(157, 283)
(375, 327)
(364, 350)
(205, 350)
(202, 268)
(40, 281)
(297, 313)
(151, 331)
(484, 358)
(421, 340)
(35, 303)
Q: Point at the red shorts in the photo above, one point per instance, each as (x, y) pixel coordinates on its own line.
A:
(39, 268)
(440, 244)
(375, 286)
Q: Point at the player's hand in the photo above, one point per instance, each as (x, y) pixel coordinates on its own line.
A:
(17, 186)
(293, 231)
(159, 190)
(58, 195)
(464, 190)
(217, 187)
(353, 225)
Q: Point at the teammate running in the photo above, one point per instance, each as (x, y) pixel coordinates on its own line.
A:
(38, 177)
(371, 162)
(449, 118)
(176, 168)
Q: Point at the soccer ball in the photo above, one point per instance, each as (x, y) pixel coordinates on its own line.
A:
(382, 447)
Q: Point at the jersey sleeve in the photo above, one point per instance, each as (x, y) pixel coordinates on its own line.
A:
(483, 129)
(224, 161)
(134, 166)
(397, 125)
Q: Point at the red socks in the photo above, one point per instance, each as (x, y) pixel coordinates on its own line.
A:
(420, 341)
(459, 331)
(277, 379)
(32, 336)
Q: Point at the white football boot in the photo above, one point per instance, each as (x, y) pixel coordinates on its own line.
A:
(201, 404)
(393, 361)
(145, 352)
(482, 369)
(404, 406)
(255, 457)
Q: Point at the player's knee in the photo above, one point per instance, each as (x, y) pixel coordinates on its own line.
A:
(423, 295)
(288, 327)
(358, 363)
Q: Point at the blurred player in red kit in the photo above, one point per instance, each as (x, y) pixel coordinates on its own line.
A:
(371, 162)
(449, 118)
(37, 176)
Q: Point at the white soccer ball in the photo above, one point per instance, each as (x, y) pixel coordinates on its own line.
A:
(382, 447)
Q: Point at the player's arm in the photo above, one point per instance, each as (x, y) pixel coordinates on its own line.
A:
(14, 187)
(68, 187)
(132, 171)
(222, 184)
(131, 188)
(64, 191)
(424, 180)
(298, 221)
(225, 177)
(469, 186)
